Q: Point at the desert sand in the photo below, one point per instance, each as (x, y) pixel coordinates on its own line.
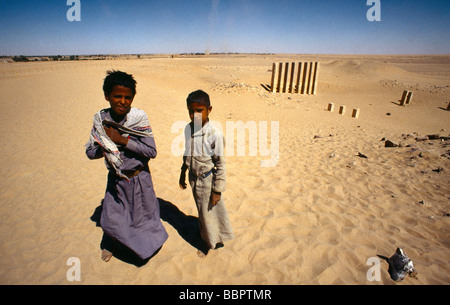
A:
(314, 218)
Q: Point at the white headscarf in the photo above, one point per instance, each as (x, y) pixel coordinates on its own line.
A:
(136, 123)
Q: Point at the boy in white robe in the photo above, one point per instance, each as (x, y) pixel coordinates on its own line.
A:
(206, 163)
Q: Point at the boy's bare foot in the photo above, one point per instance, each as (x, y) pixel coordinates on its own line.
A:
(201, 254)
(106, 255)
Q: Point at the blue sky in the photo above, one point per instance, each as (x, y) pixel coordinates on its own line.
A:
(256, 26)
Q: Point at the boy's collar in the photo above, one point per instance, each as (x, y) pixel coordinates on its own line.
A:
(201, 131)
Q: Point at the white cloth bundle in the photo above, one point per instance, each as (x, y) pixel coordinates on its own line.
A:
(136, 123)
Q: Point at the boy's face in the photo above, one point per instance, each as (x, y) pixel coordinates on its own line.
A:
(120, 100)
(199, 113)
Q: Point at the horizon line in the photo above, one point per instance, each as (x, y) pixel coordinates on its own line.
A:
(228, 53)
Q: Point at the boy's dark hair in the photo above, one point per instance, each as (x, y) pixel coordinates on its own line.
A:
(200, 97)
(118, 78)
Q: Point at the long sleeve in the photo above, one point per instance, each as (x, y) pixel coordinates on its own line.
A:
(94, 152)
(219, 178)
(144, 147)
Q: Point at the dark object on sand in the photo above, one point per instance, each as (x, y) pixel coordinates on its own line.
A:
(400, 266)
(389, 143)
(361, 155)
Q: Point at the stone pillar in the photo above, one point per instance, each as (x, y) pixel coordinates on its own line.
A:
(274, 82)
(310, 68)
(316, 72)
(299, 77)
(342, 109)
(305, 77)
(330, 107)
(402, 101)
(355, 113)
(286, 73)
(280, 73)
(291, 80)
(408, 98)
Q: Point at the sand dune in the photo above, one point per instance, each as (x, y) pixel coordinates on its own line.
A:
(315, 218)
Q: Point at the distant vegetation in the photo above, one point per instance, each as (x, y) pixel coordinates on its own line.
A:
(23, 58)
(20, 58)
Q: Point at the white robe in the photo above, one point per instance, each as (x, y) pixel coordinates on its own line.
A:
(206, 163)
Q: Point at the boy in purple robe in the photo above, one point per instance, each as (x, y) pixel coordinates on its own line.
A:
(123, 137)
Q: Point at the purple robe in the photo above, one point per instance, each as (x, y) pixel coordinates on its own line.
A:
(130, 209)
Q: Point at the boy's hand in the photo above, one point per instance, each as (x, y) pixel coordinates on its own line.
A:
(182, 181)
(115, 136)
(215, 197)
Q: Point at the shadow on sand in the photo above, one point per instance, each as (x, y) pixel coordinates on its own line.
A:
(187, 226)
(266, 87)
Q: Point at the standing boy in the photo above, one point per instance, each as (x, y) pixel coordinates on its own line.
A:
(205, 161)
(123, 136)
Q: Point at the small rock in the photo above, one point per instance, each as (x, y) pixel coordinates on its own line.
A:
(424, 138)
(438, 170)
(389, 143)
(424, 203)
(429, 154)
(362, 155)
(446, 155)
(433, 137)
(351, 164)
